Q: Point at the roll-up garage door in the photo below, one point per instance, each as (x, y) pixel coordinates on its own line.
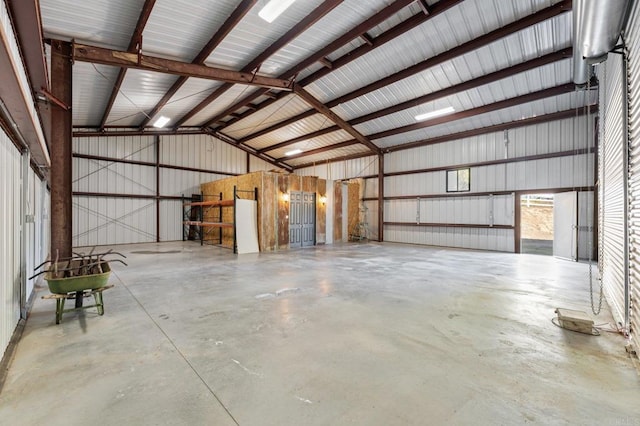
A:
(613, 178)
(633, 44)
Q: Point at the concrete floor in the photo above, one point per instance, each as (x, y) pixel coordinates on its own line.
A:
(366, 333)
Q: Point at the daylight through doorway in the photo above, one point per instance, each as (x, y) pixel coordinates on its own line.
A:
(536, 219)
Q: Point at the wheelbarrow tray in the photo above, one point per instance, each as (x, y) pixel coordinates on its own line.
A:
(79, 283)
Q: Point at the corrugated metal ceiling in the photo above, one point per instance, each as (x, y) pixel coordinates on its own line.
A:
(179, 29)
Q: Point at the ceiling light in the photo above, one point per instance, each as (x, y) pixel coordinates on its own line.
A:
(161, 122)
(436, 113)
(273, 9)
(293, 152)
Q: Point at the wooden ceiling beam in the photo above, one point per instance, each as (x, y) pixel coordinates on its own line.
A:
(236, 16)
(134, 45)
(318, 13)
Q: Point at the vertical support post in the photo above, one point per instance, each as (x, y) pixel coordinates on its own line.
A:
(381, 197)
(61, 162)
(235, 219)
(61, 157)
(156, 143)
(248, 163)
(220, 211)
(517, 230)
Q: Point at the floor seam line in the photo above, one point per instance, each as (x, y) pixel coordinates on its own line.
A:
(176, 348)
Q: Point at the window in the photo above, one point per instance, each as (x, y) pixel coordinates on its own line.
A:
(459, 180)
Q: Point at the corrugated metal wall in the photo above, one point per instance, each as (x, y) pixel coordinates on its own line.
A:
(540, 157)
(613, 180)
(10, 170)
(633, 49)
(115, 201)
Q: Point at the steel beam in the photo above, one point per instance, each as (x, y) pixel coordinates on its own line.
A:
(61, 160)
(467, 47)
(381, 197)
(387, 36)
(243, 8)
(318, 13)
(518, 100)
(134, 45)
(320, 150)
(324, 110)
(100, 55)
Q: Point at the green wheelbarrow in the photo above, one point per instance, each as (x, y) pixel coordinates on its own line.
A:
(63, 288)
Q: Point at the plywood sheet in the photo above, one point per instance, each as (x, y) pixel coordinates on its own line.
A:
(321, 211)
(353, 209)
(269, 212)
(283, 211)
(337, 209)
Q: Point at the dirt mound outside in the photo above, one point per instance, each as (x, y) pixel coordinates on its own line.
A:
(537, 222)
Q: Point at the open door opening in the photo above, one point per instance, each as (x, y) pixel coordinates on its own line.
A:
(537, 224)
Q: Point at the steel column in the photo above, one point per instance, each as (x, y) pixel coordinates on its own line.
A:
(61, 130)
(61, 155)
(381, 197)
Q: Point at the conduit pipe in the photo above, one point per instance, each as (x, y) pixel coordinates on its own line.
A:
(597, 25)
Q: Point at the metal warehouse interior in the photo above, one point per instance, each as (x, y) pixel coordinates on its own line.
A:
(322, 208)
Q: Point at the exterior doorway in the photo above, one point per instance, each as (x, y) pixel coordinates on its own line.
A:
(537, 224)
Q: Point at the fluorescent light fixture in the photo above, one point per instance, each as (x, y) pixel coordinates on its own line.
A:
(293, 152)
(273, 9)
(434, 114)
(161, 122)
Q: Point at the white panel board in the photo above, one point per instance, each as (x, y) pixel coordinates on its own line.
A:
(246, 212)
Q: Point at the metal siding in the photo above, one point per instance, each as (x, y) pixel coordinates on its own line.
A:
(612, 180)
(9, 239)
(109, 177)
(300, 128)
(547, 106)
(346, 169)
(108, 221)
(108, 23)
(202, 152)
(92, 86)
(229, 97)
(633, 44)
(171, 220)
(194, 91)
(136, 148)
(181, 182)
(257, 164)
(140, 92)
(278, 111)
(180, 28)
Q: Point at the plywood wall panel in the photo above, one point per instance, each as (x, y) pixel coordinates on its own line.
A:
(321, 211)
(353, 210)
(337, 216)
(283, 211)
